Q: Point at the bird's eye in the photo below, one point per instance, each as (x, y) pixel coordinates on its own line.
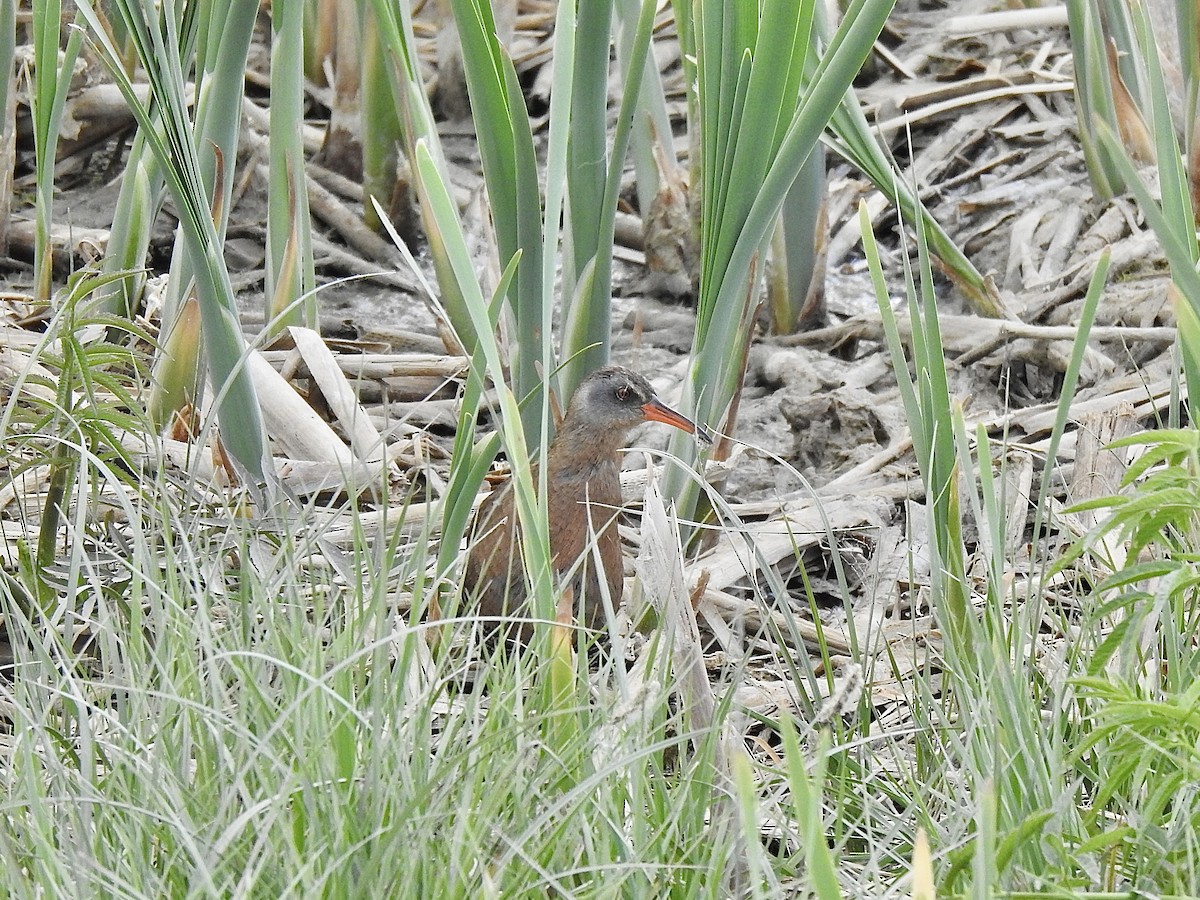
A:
(623, 393)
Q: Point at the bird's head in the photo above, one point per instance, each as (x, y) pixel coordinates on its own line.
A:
(615, 399)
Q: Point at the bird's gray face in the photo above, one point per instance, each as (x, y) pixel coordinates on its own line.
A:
(615, 399)
(612, 398)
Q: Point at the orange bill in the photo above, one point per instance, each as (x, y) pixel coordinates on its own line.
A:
(657, 411)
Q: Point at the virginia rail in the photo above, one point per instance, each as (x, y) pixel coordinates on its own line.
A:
(584, 496)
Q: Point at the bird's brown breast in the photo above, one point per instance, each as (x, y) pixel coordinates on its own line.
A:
(582, 507)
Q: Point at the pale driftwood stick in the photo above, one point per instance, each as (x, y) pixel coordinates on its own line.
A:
(630, 231)
(334, 213)
(925, 94)
(401, 391)
(330, 254)
(859, 328)
(365, 440)
(1066, 238)
(417, 416)
(1101, 333)
(1007, 20)
(101, 101)
(67, 242)
(959, 332)
(936, 109)
(338, 529)
(335, 182)
(387, 365)
(260, 118)
(894, 62)
(400, 340)
(853, 479)
(1145, 398)
(311, 477)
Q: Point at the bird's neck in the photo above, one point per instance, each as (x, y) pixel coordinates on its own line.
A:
(584, 454)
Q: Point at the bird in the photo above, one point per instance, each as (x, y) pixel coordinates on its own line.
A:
(583, 496)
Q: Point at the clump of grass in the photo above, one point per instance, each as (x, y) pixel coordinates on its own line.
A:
(1035, 766)
(220, 709)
